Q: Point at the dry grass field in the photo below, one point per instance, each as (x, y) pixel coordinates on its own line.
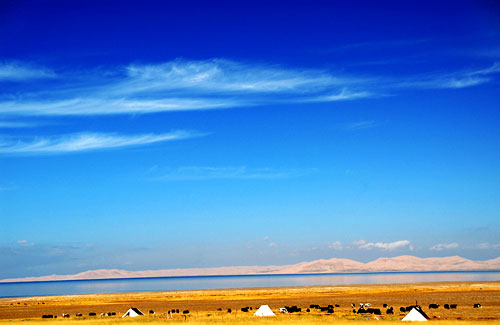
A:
(203, 305)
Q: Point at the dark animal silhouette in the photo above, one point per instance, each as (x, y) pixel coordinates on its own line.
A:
(478, 306)
(433, 306)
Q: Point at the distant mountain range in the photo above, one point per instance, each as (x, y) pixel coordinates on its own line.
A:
(333, 265)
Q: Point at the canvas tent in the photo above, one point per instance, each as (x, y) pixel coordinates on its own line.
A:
(264, 310)
(133, 312)
(416, 314)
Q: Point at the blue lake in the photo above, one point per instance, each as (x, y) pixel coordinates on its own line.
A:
(46, 288)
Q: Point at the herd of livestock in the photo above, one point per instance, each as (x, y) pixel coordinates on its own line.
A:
(330, 309)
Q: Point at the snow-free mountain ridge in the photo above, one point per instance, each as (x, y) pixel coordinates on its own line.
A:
(334, 265)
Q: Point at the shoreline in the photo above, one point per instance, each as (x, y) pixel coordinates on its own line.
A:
(201, 303)
(12, 281)
(494, 283)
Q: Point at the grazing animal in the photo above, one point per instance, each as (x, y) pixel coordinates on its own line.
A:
(478, 306)
(353, 305)
(361, 310)
(293, 309)
(433, 306)
(152, 312)
(446, 306)
(79, 315)
(402, 309)
(453, 306)
(185, 311)
(375, 311)
(337, 305)
(103, 314)
(330, 311)
(390, 311)
(354, 311)
(283, 311)
(408, 308)
(65, 315)
(177, 311)
(229, 310)
(385, 305)
(244, 309)
(308, 310)
(92, 314)
(47, 316)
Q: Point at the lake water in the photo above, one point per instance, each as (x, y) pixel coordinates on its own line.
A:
(46, 288)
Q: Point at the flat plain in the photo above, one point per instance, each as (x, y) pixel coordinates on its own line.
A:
(210, 306)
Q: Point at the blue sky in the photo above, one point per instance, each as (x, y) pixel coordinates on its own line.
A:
(188, 134)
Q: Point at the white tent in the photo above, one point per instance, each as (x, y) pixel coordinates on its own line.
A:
(264, 310)
(415, 315)
(133, 312)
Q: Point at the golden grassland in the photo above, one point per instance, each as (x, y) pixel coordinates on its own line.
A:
(203, 305)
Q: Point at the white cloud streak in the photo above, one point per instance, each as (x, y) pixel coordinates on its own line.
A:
(15, 71)
(86, 142)
(24, 243)
(354, 126)
(183, 85)
(337, 245)
(15, 125)
(362, 244)
(488, 246)
(197, 173)
(441, 247)
(453, 80)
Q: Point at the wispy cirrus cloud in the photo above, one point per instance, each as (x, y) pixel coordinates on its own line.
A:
(15, 124)
(354, 126)
(183, 85)
(194, 173)
(24, 243)
(441, 247)
(362, 244)
(452, 80)
(17, 71)
(488, 246)
(86, 142)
